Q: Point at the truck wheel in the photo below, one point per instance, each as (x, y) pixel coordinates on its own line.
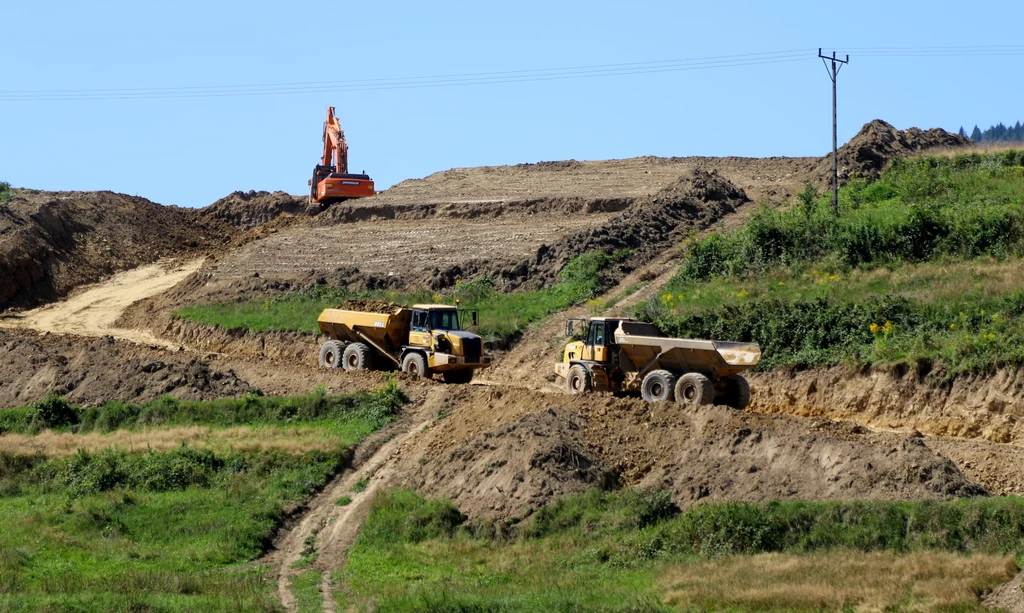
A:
(414, 364)
(577, 380)
(331, 353)
(737, 392)
(657, 386)
(357, 357)
(458, 376)
(694, 389)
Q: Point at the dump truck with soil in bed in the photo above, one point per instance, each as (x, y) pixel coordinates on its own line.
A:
(421, 340)
(627, 355)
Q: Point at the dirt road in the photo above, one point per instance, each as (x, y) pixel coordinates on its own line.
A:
(93, 309)
(330, 530)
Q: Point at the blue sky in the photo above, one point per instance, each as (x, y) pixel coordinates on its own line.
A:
(191, 151)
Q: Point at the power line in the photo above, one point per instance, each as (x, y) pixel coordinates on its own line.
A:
(711, 59)
(491, 78)
(544, 74)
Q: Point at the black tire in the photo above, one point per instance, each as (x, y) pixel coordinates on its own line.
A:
(577, 380)
(458, 376)
(357, 357)
(694, 389)
(415, 364)
(658, 386)
(737, 392)
(331, 354)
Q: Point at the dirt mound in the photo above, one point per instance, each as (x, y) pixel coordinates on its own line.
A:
(516, 466)
(246, 210)
(1007, 597)
(52, 242)
(878, 143)
(500, 451)
(93, 371)
(369, 306)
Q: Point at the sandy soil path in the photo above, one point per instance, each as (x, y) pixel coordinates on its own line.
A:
(92, 310)
(333, 529)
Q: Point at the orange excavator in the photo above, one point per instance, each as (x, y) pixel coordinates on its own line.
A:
(332, 182)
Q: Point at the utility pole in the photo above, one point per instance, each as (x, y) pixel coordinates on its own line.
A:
(837, 64)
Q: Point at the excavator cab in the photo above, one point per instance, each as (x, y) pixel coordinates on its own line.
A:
(330, 186)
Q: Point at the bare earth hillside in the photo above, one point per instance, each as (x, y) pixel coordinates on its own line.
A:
(512, 441)
(52, 242)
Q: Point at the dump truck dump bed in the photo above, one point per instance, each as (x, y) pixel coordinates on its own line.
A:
(642, 344)
(388, 330)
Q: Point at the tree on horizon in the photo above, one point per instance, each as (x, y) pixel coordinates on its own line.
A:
(999, 133)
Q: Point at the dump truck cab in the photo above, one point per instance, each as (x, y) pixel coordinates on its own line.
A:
(436, 332)
(619, 354)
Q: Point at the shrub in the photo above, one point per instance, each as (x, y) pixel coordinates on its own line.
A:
(404, 516)
(53, 412)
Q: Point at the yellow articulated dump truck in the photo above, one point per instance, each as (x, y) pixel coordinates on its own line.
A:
(421, 340)
(627, 355)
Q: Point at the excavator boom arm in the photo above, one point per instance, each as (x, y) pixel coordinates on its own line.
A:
(335, 147)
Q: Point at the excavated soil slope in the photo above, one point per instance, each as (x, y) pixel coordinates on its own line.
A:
(433, 246)
(987, 407)
(52, 242)
(500, 451)
(94, 371)
(774, 179)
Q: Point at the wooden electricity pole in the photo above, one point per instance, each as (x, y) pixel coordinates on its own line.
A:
(837, 64)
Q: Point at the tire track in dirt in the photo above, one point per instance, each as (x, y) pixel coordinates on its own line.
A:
(93, 309)
(335, 528)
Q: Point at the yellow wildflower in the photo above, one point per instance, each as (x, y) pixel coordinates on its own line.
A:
(887, 328)
(874, 328)
(742, 293)
(952, 326)
(781, 283)
(995, 316)
(990, 336)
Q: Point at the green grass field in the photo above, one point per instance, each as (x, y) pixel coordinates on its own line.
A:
(634, 551)
(154, 530)
(502, 315)
(920, 267)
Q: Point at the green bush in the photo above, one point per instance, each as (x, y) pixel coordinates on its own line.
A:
(962, 207)
(798, 332)
(993, 526)
(921, 212)
(404, 516)
(379, 406)
(601, 510)
(52, 412)
(87, 473)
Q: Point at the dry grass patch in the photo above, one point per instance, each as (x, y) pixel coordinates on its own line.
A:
(979, 148)
(298, 439)
(938, 281)
(842, 580)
